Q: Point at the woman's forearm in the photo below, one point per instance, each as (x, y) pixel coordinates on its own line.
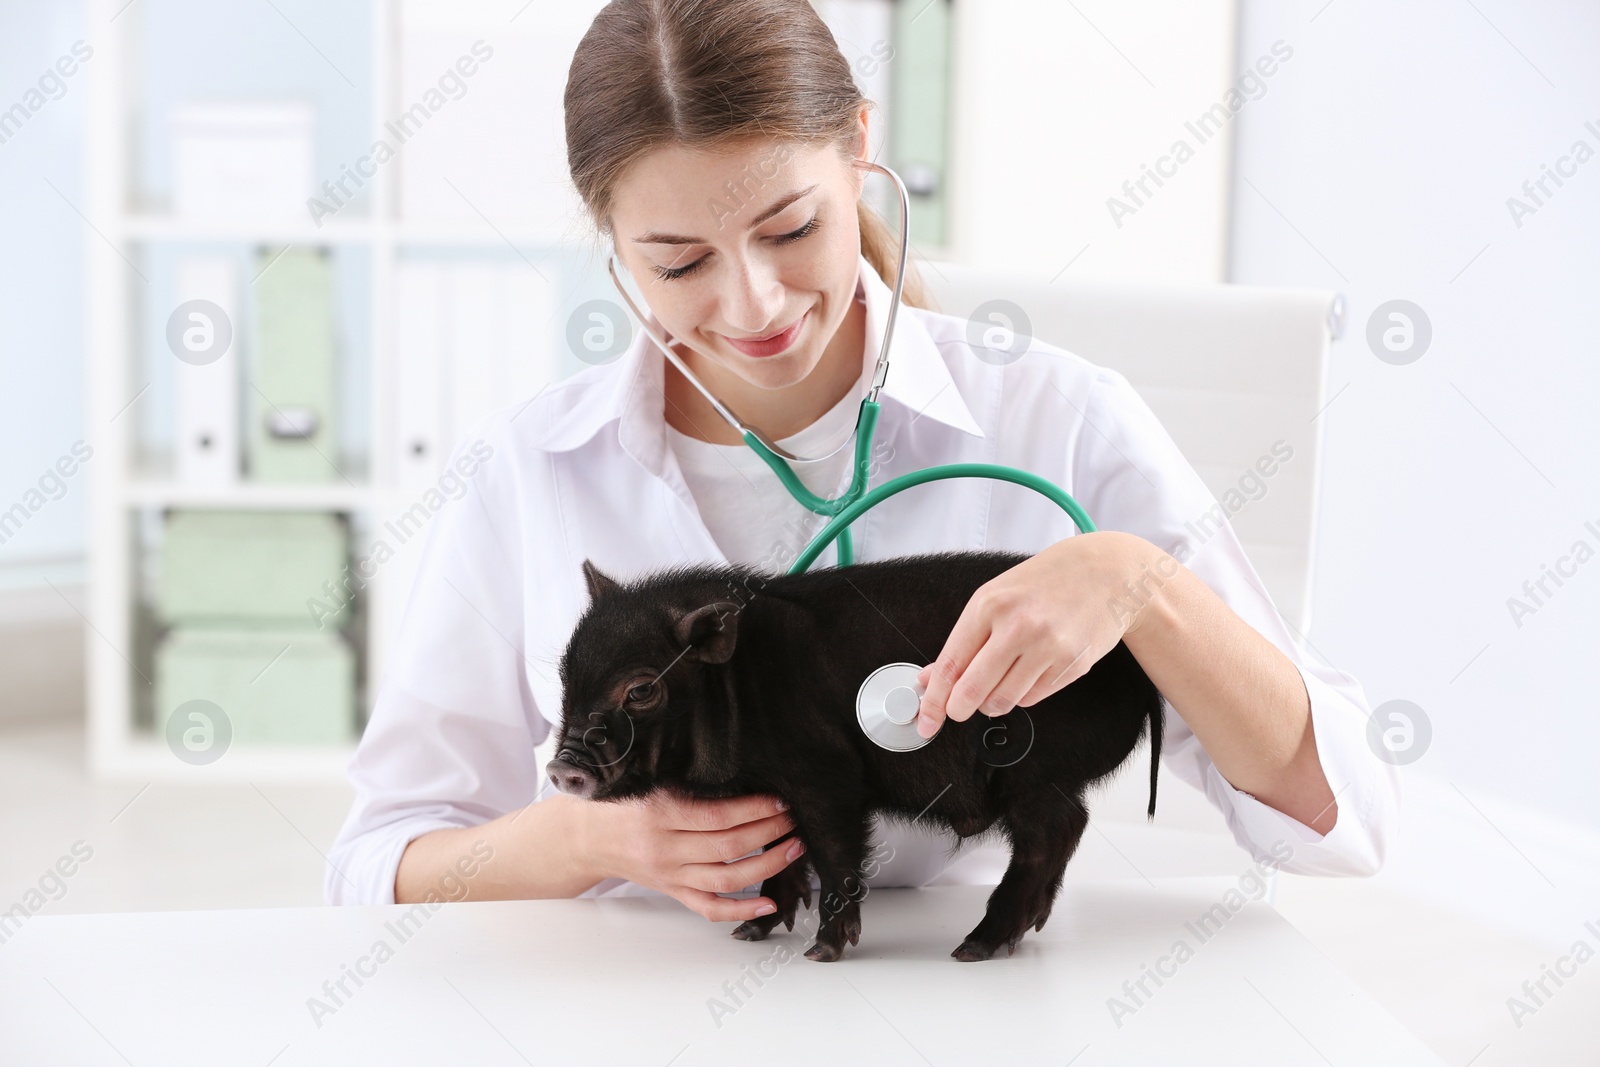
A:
(1243, 698)
(534, 853)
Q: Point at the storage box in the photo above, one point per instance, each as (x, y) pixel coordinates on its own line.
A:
(255, 569)
(275, 686)
(242, 161)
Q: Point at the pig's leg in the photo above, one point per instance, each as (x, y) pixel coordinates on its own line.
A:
(787, 889)
(1044, 834)
(838, 851)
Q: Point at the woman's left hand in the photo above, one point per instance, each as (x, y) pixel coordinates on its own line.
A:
(1036, 628)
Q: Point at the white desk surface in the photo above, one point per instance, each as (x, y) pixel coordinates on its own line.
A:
(631, 981)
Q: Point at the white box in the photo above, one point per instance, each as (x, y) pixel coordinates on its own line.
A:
(243, 160)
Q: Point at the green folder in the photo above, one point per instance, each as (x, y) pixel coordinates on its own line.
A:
(290, 392)
(920, 104)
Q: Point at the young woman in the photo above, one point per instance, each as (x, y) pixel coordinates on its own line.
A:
(718, 145)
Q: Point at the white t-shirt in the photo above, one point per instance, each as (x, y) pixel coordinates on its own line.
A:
(746, 508)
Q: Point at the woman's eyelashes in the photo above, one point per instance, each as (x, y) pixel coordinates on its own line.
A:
(672, 273)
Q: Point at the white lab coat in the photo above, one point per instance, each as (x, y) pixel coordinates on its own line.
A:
(584, 471)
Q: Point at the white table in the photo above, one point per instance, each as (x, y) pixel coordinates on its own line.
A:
(632, 981)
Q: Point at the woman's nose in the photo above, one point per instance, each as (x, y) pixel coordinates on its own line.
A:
(756, 303)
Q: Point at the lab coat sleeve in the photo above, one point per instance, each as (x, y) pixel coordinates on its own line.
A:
(451, 736)
(1133, 478)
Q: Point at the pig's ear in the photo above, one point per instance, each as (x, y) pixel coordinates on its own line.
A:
(710, 631)
(599, 584)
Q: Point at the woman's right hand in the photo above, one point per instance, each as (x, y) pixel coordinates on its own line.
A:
(689, 849)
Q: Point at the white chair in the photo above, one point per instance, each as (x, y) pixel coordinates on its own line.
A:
(1228, 369)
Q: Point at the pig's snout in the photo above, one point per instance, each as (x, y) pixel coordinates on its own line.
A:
(570, 777)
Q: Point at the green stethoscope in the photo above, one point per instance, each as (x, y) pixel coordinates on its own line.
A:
(890, 691)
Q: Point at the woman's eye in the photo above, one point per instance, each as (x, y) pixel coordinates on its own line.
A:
(804, 231)
(641, 693)
(673, 273)
(669, 273)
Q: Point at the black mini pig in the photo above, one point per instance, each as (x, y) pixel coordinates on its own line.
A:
(720, 681)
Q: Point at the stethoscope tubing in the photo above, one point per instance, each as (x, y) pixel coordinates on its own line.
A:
(856, 500)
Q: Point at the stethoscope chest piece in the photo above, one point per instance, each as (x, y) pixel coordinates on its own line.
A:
(887, 704)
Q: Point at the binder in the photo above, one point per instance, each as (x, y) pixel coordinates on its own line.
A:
(421, 402)
(475, 336)
(291, 394)
(206, 394)
(532, 357)
(477, 339)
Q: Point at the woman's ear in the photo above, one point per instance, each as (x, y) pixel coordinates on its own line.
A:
(599, 584)
(861, 154)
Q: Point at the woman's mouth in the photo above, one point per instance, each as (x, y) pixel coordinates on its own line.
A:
(772, 344)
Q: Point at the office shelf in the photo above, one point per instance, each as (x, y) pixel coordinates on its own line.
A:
(121, 489)
(166, 228)
(245, 496)
(129, 228)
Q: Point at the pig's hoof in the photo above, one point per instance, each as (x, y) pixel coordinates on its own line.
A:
(823, 953)
(972, 950)
(751, 930)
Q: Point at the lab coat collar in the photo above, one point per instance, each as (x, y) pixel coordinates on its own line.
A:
(631, 390)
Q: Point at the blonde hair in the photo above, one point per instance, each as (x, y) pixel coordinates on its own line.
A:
(706, 74)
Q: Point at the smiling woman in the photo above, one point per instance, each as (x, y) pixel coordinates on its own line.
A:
(721, 148)
(734, 199)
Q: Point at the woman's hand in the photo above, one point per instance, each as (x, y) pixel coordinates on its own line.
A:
(689, 849)
(1038, 627)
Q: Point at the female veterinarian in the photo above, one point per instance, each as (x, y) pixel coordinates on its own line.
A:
(776, 300)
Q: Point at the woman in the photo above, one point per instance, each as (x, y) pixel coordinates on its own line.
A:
(716, 143)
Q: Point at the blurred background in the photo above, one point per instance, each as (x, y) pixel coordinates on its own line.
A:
(261, 261)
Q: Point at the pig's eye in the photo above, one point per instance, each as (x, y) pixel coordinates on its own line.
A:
(641, 693)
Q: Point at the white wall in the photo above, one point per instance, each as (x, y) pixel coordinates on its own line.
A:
(41, 289)
(1057, 105)
(1380, 164)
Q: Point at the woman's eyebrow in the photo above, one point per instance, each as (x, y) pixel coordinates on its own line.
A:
(778, 205)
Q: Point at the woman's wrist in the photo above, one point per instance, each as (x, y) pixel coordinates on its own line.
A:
(542, 851)
(1242, 696)
(584, 828)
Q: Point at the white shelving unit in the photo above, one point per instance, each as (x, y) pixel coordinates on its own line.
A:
(119, 489)
(122, 226)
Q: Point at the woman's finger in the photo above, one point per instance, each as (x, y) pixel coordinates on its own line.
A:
(730, 877)
(970, 632)
(721, 909)
(1013, 689)
(979, 679)
(691, 813)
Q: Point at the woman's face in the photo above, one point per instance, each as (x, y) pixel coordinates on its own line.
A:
(741, 246)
